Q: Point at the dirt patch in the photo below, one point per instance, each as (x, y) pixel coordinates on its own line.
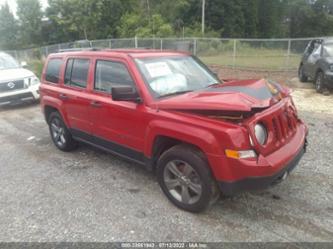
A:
(309, 100)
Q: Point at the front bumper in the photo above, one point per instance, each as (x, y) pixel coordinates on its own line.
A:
(31, 93)
(254, 183)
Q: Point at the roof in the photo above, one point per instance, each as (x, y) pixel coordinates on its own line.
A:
(135, 53)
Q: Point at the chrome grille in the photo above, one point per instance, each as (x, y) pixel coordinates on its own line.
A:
(11, 85)
(284, 124)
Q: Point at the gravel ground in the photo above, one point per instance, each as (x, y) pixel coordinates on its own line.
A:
(88, 195)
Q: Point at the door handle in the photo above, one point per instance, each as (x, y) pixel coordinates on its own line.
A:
(95, 104)
(63, 96)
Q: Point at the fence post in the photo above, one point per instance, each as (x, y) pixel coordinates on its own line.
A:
(136, 41)
(161, 44)
(110, 45)
(195, 46)
(288, 54)
(234, 54)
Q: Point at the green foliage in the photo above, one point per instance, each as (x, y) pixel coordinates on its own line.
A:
(30, 15)
(8, 28)
(312, 19)
(133, 24)
(72, 20)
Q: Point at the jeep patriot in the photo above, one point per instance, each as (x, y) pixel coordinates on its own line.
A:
(167, 111)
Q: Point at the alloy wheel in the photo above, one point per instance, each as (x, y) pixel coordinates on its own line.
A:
(182, 182)
(58, 132)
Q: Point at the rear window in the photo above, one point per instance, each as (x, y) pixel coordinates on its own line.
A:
(53, 70)
(77, 72)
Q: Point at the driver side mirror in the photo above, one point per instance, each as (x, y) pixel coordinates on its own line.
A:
(125, 93)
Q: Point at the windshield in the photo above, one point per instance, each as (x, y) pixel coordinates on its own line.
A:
(175, 75)
(328, 50)
(7, 62)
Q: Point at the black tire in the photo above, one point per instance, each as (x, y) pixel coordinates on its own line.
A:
(60, 135)
(319, 82)
(301, 74)
(183, 156)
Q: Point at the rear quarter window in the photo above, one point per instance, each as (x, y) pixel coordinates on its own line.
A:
(53, 70)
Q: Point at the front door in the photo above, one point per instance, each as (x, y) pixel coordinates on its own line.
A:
(117, 125)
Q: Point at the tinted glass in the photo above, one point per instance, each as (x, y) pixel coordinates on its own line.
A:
(77, 72)
(109, 74)
(53, 70)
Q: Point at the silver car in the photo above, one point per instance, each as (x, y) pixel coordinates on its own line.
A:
(16, 83)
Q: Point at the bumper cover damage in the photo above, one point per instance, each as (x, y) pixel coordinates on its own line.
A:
(256, 183)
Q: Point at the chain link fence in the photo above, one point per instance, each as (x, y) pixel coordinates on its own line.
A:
(266, 54)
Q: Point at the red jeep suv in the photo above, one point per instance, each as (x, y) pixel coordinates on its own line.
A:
(169, 112)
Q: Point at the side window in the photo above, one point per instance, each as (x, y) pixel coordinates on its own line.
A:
(109, 74)
(77, 72)
(53, 70)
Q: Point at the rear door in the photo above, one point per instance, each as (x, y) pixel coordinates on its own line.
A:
(117, 125)
(75, 97)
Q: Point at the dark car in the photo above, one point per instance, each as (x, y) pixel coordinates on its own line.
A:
(317, 64)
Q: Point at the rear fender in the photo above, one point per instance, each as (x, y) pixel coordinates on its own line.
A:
(57, 104)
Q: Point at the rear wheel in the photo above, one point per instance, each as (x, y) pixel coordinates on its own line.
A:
(185, 178)
(301, 74)
(60, 135)
(319, 82)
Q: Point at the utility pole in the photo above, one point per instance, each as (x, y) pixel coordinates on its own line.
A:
(148, 10)
(203, 17)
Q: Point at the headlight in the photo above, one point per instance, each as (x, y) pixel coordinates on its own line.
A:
(30, 81)
(34, 81)
(261, 133)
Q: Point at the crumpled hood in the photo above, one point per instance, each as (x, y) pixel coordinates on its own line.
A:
(14, 74)
(243, 95)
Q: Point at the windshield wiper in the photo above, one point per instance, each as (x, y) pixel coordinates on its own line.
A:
(174, 93)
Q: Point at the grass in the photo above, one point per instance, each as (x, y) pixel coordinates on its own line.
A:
(36, 66)
(257, 55)
(258, 61)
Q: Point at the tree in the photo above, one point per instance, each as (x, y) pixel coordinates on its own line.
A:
(30, 18)
(76, 19)
(8, 28)
(250, 13)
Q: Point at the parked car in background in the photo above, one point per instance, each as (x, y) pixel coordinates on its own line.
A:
(16, 82)
(317, 64)
(170, 113)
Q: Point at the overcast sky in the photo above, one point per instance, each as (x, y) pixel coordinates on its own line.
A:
(12, 4)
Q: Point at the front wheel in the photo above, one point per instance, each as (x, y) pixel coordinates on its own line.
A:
(319, 82)
(184, 176)
(60, 135)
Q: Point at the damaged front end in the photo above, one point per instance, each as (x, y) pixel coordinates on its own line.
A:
(233, 101)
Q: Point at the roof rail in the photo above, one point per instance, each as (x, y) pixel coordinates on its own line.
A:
(78, 49)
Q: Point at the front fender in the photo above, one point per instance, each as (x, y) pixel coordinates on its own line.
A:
(201, 138)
